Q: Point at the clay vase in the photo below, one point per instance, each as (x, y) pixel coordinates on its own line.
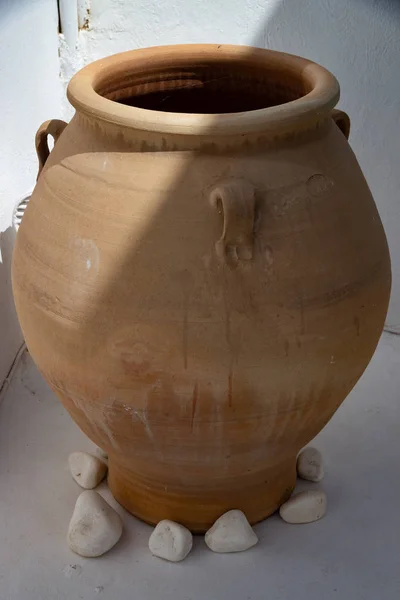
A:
(201, 274)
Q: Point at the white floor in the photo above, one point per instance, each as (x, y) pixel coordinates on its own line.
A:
(351, 554)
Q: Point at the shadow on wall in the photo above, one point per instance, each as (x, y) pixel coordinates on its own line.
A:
(9, 328)
(357, 40)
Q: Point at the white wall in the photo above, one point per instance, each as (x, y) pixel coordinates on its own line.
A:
(358, 40)
(30, 94)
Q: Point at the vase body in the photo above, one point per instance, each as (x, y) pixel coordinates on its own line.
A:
(201, 297)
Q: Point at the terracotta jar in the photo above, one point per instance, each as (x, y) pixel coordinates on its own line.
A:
(201, 274)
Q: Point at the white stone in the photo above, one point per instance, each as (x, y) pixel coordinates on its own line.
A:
(95, 527)
(87, 470)
(304, 507)
(231, 533)
(170, 541)
(310, 465)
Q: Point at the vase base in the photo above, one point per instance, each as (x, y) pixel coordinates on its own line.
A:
(197, 509)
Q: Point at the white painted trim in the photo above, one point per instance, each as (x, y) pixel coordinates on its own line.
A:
(68, 11)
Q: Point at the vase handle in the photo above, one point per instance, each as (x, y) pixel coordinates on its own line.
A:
(235, 199)
(342, 120)
(54, 127)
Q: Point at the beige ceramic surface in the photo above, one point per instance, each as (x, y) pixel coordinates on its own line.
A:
(202, 291)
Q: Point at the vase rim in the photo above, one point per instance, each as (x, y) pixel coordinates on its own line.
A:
(84, 91)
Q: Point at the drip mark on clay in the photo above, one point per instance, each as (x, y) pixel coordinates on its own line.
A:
(142, 416)
(195, 397)
(185, 339)
(356, 321)
(230, 388)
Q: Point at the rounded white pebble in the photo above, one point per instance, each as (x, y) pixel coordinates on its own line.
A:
(310, 465)
(95, 527)
(304, 507)
(87, 470)
(170, 541)
(231, 533)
